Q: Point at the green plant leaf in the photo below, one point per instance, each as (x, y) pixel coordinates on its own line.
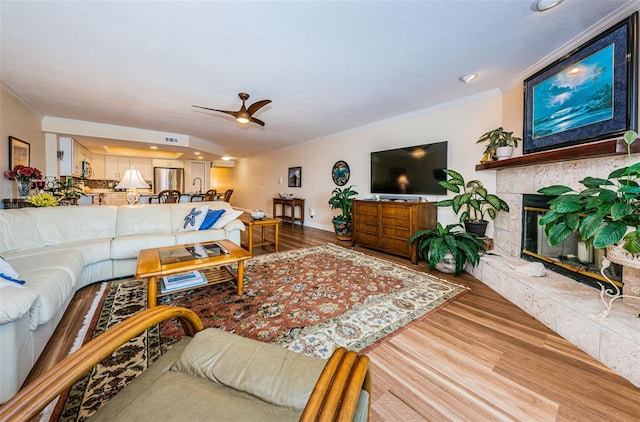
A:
(609, 234)
(572, 221)
(632, 241)
(492, 213)
(452, 187)
(464, 216)
(549, 217)
(444, 203)
(559, 234)
(629, 136)
(620, 210)
(568, 206)
(555, 190)
(590, 224)
(607, 195)
(453, 174)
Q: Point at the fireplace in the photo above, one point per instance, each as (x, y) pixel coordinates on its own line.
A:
(572, 258)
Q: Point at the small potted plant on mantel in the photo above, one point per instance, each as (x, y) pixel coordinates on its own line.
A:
(342, 200)
(477, 205)
(500, 144)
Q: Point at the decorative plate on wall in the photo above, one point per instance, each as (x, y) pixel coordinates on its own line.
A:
(340, 173)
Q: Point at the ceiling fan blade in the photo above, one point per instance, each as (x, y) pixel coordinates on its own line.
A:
(233, 113)
(257, 106)
(258, 121)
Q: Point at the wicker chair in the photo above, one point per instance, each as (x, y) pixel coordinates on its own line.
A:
(341, 392)
(167, 197)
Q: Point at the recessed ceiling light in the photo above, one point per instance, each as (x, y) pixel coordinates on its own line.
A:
(200, 157)
(544, 5)
(153, 147)
(225, 158)
(196, 152)
(468, 77)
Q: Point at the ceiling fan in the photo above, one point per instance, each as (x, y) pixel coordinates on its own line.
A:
(244, 115)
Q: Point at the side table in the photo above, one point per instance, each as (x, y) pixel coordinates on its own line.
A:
(292, 203)
(265, 222)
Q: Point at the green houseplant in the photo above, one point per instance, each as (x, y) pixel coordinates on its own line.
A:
(500, 144)
(604, 213)
(342, 200)
(472, 201)
(447, 249)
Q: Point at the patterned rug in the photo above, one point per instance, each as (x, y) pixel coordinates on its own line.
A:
(308, 300)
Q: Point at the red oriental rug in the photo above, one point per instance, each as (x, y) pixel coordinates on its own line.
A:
(308, 300)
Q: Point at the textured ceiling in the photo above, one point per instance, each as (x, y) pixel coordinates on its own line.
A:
(327, 66)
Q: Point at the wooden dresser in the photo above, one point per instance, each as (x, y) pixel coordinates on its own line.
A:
(386, 226)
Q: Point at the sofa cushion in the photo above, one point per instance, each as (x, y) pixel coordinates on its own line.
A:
(18, 231)
(194, 218)
(269, 372)
(94, 250)
(54, 287)
(65, 224)
(144, 219)
(14, 303)
(179, 210)
(227, 217)
(129, 246)
(199, 236)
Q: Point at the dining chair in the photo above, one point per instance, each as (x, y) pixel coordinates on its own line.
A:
(167, 197)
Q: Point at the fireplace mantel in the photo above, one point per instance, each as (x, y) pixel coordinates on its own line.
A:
(592, 150)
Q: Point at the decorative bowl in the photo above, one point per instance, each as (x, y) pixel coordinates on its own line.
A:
(286, 195)
(257, 214)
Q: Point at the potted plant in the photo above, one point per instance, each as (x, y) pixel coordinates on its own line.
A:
(604, 213)
(447, 249)
(500, 144)
(476, 204)
(67, 188)
(342, 200)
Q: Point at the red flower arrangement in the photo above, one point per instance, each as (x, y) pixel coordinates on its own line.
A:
(23, 173)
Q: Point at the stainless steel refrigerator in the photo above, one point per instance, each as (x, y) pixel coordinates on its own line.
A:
(165, 178)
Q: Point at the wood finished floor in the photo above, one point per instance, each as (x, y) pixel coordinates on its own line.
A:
(480, 358)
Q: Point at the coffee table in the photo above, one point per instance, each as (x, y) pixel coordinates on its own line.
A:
(212, 257)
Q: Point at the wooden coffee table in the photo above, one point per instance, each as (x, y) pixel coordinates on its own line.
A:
(212, 257)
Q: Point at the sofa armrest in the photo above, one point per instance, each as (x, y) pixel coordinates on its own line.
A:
(17, 301)
(234, 225)
(34, 397)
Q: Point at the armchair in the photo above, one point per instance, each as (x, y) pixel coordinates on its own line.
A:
(210, 376)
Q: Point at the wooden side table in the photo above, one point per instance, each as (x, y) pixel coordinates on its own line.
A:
(13, 203)
(292, 203)
(265, 222)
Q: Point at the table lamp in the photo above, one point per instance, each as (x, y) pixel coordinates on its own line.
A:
(132, 180)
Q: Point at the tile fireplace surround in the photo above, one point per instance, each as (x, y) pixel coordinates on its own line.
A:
(566, 306)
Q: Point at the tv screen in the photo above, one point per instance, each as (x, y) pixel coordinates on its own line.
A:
(412, 170)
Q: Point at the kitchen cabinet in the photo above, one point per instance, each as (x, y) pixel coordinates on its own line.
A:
(97, 165)
(115, 198)
(159, 162)
(111, 167)
(73, 155)
(144, 165)
(386, 226)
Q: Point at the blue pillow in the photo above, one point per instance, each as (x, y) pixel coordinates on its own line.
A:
(211, 218)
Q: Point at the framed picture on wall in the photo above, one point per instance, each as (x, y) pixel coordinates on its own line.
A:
(589, 95)
(19, 152)
(295, 177)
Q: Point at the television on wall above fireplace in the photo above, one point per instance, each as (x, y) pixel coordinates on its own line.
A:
(414, 170)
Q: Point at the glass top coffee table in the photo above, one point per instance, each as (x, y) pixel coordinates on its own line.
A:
(212, 257)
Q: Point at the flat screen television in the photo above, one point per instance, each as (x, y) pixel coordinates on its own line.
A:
(412, 170)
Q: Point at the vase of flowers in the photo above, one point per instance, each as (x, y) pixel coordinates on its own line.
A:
(23, 175)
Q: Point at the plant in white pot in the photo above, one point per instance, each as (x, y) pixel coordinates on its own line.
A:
(500, 144)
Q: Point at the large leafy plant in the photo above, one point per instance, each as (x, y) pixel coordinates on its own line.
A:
(472, 199)
(434, 244)
(605, 212)
(342, 200)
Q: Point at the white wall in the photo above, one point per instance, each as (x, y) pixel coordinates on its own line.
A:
(461, 124)
(19, 121)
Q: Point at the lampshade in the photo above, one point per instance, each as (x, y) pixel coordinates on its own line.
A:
(132, 179)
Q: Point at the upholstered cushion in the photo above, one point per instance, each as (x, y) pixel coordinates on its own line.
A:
(194, 218)
(211, 218)
(143, 219)
(8, 276)
(227, 217)
(269, 372)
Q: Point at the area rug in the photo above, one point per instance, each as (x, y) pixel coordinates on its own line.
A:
(310, 300)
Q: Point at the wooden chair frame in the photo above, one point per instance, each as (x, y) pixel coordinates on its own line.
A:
(167, 197)
(333, 398)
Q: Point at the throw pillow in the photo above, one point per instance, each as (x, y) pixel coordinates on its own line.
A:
(8, 274)
(211, 218)
(228, 216)
(194, 219)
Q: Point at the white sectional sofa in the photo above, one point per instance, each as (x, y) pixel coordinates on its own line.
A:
(59, 250)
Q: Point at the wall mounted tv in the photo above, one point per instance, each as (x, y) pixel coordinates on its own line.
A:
(412, 170)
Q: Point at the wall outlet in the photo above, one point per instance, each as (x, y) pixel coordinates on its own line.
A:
(312, 212)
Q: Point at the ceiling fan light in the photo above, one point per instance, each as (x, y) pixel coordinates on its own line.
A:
(242, 119)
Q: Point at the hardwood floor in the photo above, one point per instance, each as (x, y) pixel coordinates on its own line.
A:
(480, 358)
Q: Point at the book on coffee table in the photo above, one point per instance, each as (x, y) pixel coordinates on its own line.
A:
(181, 281)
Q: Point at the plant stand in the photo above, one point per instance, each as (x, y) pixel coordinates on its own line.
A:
(630, 278)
